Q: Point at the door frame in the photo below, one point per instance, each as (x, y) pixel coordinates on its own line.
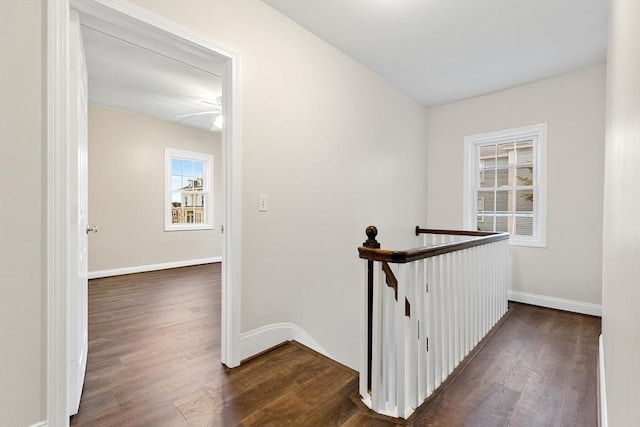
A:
(58, 212)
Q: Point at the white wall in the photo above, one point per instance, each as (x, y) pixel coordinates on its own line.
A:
(621, 251)
(334, 147)
(573, 106)
(22, 343)
(126, 191)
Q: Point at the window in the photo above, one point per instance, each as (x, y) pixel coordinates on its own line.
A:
(188, 190)
(505, 183)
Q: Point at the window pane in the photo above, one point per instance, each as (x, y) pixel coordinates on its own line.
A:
(198, 169)
(188, 199)
(503, 177)
(485, 201)
(506, 155)
(488, 178)
(524, 200)
(200, 199)
(487, 156)
(186, 183)
(176, 167)
(502, 201)
(189, 216)
(485, 222)
(524, 175)
(187, 167)
(524, 226)
(502, 224)
(176, 182)
(525, 151)
(176, 198)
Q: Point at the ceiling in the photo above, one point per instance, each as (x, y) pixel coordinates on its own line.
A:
(440, 51)
(132, 72)
(437, 51)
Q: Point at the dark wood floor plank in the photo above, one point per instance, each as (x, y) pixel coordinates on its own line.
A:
(154, 360)
(195, 404)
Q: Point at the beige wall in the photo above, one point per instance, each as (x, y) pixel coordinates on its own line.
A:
(22, 340)
(126, 191)
(334, 147)
(573, 106)
(621, 252)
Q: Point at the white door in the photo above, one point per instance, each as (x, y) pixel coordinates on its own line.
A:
(77, 308)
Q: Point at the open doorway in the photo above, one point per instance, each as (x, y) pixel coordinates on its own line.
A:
(151, 32)
(155, 152)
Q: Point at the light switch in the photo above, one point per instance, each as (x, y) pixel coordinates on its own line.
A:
(263, 203)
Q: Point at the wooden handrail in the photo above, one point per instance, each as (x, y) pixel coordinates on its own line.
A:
(401, 257)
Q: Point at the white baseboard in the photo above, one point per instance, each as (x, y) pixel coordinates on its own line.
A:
(258, 340)
(557, 303)
(151, 267)
(602, 402)
(40, 424)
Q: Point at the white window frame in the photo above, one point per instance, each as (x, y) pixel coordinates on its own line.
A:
(207, 160)
(471, 174)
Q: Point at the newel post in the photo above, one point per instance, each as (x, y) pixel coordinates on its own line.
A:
(371, 242)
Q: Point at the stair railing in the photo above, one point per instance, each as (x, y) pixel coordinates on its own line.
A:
(426, 309)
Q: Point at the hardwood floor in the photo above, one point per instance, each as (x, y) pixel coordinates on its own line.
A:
(154, 361)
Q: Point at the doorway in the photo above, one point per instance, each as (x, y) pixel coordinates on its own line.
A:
(137, 22)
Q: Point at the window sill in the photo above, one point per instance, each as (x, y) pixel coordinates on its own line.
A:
(188, 227)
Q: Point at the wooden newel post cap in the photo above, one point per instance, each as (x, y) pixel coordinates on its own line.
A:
(371, 241)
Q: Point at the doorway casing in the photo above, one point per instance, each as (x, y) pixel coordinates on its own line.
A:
(58, 211)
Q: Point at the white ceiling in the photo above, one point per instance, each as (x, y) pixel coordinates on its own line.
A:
(132, 72)
(437, 51)
(440, 51)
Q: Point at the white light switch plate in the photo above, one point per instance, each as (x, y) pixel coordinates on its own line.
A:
(263, 203)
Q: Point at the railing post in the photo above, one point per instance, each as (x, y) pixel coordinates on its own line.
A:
(371, 242)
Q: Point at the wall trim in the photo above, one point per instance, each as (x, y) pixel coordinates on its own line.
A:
(557, 303)
(57, 250)
(602, 396)
(151, 267)
(263, 338)
(40, 424)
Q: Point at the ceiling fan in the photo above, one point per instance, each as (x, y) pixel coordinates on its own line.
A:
(216, 111)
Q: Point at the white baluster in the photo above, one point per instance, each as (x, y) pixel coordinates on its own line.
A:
(412, 336)
(464, 304)
(450, 287)
(457, 313)
(391, 351)
(421, 312)
(477, 299)
(377, 383)
(430, 326)
(364, 362)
